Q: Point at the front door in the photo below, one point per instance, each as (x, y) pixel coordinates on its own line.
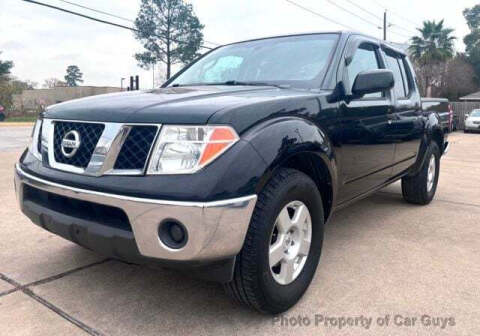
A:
(367, 150)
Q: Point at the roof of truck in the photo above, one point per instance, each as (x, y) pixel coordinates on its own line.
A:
(342, 32)
(288, 35)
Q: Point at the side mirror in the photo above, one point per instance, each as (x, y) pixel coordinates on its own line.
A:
(466, 116)
(373, 81)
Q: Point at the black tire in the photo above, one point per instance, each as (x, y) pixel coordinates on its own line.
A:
(253, 283)
(465, 131)
(414, 188)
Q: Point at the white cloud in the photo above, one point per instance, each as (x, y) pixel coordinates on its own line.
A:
(43, 42)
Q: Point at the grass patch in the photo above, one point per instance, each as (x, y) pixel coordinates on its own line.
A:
(21, 119)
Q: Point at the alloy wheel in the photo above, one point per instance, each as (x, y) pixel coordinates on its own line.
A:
(290, 242)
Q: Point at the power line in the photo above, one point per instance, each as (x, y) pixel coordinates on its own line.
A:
(333, 21)
(101, 21)
(81, 15)
(354, 14)
(115, 16)
(318, 14)
(403, 28)
(378, 17)
(391, 25)
(382, 6)
(96, 10)
(365, 10)
(395, 13)
(400, 34)
(416, 24)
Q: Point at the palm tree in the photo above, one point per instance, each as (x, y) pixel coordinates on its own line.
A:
(434, 46)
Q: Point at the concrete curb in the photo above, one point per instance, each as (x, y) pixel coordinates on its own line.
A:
(15, 124)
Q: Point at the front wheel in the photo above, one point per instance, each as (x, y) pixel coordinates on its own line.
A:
(283, 244)
(421, 188)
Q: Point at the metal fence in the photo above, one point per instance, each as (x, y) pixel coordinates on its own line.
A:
(459, 110)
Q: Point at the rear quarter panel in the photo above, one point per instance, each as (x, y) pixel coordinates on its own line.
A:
(441, 107)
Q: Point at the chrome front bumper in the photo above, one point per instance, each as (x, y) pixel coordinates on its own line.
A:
(215, 229)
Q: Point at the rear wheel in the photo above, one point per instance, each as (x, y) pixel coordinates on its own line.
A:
(421, 188)
(282, 246)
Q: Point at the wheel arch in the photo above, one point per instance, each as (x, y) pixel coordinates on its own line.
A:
(314, 167)
(298, 144)
(433, 133)
(438, 136)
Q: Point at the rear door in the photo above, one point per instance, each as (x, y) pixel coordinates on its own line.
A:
(407, 125)
(366, 150)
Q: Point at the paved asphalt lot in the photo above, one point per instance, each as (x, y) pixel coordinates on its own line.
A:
(381, 257)
(13, 138)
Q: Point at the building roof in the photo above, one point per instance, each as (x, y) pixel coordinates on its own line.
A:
(472, 96)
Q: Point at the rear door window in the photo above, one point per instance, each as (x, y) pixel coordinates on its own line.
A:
(394, 65)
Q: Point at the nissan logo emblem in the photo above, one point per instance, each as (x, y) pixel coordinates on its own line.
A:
(70, 143)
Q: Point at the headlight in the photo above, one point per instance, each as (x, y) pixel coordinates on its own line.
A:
(187, 149)
(35, 140)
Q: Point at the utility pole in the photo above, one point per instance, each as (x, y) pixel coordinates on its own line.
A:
(385, 25)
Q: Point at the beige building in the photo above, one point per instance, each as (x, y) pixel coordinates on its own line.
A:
(30, 101)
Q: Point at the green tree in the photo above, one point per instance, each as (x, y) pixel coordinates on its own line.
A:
(459, 79)
(73, 75)
(5, 88)
(50, 83)
(5, 67)
(472, 15)
(170, 33)
(433, 47)
(472, 40)
(10, 87)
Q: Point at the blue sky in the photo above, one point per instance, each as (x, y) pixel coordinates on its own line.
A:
(43, 42)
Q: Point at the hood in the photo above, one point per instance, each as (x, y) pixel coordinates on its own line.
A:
(185, 105)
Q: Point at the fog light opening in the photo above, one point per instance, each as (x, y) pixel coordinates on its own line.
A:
(173, 234)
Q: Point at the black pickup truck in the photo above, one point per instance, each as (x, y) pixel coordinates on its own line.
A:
(233, 167)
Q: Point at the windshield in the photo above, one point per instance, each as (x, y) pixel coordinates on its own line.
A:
(299, 61)
(475, 113)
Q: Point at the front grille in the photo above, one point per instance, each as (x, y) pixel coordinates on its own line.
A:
(134, 152)
(89, 135)
(89, 211)
(476, 122)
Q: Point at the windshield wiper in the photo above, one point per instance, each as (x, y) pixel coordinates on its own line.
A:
(240, 83)
(237, 83)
